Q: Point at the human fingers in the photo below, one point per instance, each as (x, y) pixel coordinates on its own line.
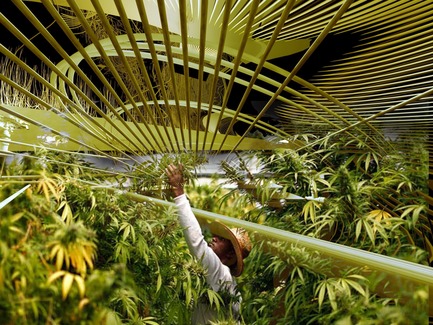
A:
(171, 169)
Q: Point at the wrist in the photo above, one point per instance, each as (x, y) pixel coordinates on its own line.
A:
(178, 191)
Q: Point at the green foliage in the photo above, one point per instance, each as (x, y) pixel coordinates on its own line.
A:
(149, 178)
(293, 285)
(73, 254)
(370, 202)
(354, 181)
(76, 255)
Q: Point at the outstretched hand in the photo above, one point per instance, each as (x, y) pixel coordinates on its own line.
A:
(175, 178)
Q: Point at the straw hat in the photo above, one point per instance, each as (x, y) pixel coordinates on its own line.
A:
(240, 241)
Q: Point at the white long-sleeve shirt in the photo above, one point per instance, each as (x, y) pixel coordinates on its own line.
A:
(218, 275)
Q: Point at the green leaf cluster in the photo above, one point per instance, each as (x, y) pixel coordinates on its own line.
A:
(71, 253)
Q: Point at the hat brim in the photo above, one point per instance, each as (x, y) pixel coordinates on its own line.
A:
(219, 229)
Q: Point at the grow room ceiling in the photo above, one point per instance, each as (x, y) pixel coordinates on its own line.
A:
(143, 76)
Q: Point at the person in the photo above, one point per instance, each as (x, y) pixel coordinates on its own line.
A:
(222, 258)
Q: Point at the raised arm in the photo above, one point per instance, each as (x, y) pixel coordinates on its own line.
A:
(217, 272)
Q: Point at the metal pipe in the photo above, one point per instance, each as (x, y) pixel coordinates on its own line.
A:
(13, 196)
(396, 268)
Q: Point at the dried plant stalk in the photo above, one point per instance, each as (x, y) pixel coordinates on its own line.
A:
(11, 95)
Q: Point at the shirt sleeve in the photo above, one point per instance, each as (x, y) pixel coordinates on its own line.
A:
(217, 274)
